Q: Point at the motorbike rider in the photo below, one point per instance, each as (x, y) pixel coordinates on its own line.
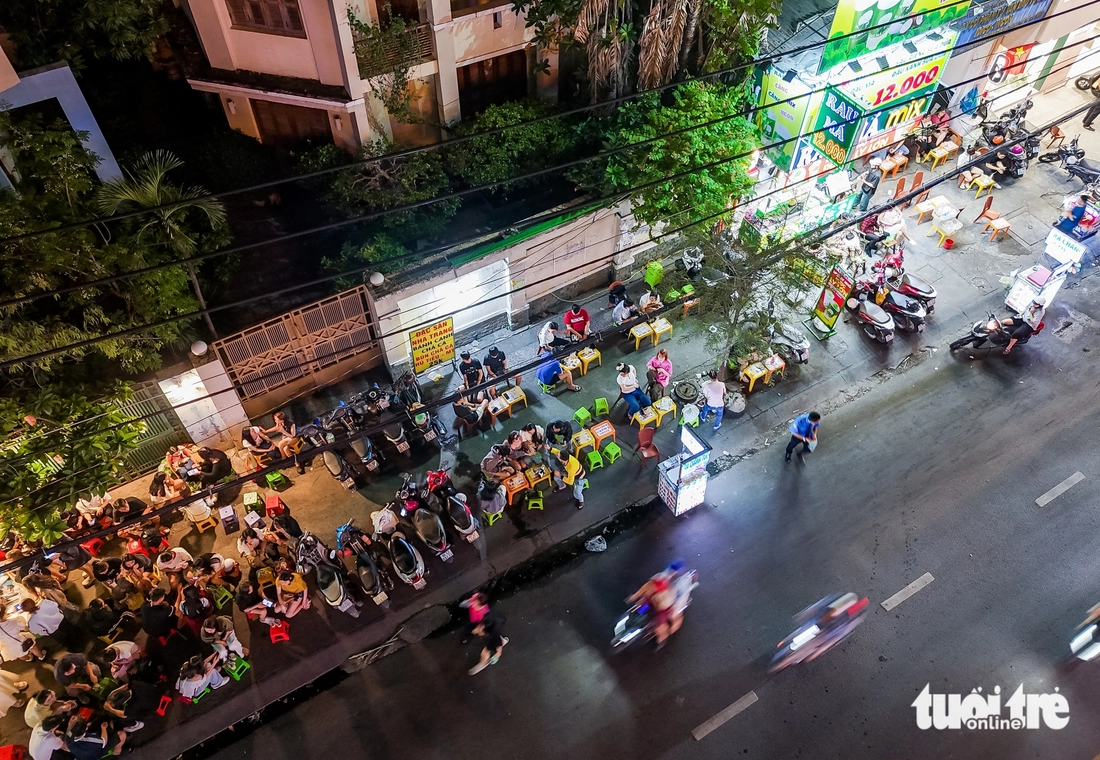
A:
(1023, 326)
(658, 593)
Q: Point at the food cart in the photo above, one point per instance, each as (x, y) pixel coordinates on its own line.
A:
(682, 480)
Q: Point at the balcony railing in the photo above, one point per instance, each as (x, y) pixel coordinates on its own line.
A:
(418, 50)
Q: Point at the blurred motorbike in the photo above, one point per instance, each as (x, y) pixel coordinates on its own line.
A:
(821, 626)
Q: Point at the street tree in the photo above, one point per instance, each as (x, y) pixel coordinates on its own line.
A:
(56, 183)
(57, 446)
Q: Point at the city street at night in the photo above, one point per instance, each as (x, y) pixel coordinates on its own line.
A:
(936, 471)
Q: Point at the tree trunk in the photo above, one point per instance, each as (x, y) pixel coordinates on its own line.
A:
(689, 37)
(202, 301)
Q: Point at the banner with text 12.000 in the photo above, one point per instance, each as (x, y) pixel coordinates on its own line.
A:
(432, 345)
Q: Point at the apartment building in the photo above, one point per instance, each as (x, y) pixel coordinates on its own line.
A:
(286, 70)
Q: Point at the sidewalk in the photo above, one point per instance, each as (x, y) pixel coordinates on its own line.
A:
(321, 639)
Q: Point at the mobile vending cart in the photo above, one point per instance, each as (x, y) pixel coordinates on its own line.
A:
(682, 480)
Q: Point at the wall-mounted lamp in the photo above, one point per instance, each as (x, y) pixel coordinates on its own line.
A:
(339, 123)
(231, 106)
(199, 347)
(377, 279)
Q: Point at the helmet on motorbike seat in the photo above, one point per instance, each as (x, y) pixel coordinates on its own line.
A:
(461, 497)
(1017, 150)
(998, 139)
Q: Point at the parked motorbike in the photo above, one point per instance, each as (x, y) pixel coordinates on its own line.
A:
(821, 626)
(345, 418)
(914, 287)
(1009, 125)
(1014, 161)
(991, 331)
(426, 424)
(1083, 169)
(336, 465)
(426, 523)
(1064, 151)
(908, 313)
(395, 434)
(789, 342)
(312, 554)
(350, 540)
(449, 501)
(874, 321)
(1087, 83)
(405, 560)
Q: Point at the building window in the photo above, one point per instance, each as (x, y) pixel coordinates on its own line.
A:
(492, 81)
(271, 16)
(498, 20)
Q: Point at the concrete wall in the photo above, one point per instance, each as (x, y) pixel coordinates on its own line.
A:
(57, 81)
(475, 38)
(578, 253)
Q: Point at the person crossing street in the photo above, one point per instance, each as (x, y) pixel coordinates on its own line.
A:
(803, 431)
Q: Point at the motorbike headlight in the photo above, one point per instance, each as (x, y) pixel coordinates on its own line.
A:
(991, 325)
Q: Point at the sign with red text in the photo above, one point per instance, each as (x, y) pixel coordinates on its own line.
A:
(880, 130)
(432, 345)
(830, 304)
(909, 81)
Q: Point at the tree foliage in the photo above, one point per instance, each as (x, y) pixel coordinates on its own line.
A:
(57, 446)
(386, 54)
(57, 184)
(48, 31)
(694, 196)
(516, 151)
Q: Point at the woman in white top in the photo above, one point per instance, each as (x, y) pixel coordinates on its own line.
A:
(197, 674)
(16, 642)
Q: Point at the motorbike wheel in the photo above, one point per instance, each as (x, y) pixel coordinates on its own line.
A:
(1083, 83)
(870, 332)
(956, 344)
(1048, 158)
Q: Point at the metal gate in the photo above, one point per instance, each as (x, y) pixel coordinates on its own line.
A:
(162, 429)
(299, 343)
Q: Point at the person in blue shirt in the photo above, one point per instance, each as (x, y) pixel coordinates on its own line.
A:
(551, 371)
(1069, 220)
(803, 431)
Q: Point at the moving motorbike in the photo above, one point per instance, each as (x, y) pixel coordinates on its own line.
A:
(637, 622)
(376, 583)
(993, 333)
(405, 560)
(1064, 152)
(1088, 82)
(821, 626)
(1085, 645)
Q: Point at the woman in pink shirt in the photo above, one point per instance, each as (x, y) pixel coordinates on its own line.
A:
(659, 372)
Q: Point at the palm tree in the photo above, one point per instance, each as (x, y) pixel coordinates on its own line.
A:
(146, 186)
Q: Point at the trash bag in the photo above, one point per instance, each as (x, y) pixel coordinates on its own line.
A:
(596, 544)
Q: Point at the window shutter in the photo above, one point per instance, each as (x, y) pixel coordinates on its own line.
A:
(293, 15)
(237, 12)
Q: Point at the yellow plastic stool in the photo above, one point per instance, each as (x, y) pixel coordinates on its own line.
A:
(662, 407)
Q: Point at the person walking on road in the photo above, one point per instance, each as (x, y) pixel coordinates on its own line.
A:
(803, 431)
(1091, 114)
(714, 392)
(491, 629)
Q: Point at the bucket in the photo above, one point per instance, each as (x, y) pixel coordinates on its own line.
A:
(948, 244)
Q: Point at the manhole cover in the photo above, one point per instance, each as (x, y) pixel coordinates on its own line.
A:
(1029, 229)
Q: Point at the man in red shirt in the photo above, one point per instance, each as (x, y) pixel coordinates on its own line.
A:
(576, 322)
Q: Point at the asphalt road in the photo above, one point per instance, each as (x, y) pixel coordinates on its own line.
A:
(936, 471)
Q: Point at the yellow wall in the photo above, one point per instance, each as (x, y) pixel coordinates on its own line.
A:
(475, 37)
(8, 77)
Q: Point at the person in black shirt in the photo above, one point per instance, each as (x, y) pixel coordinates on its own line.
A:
(559, 433)
(99, 618)
(158, 618)
(251, 602)
(496, 364)
(472, 375)
(215, 466)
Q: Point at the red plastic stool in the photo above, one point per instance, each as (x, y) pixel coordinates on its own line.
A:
(12, 752)
(273, 505)
(165, 700)
(280, 632)
(93, 548)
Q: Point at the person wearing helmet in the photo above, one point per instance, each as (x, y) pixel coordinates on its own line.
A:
(1023, 326)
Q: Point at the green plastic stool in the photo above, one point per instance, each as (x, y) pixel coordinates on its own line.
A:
(612, 452)
(222, 595)
(252, 502)
(691, 418)
(687, 290)
(277, 481)
(195, 699)
(491, 517)
(601, 407)
(105, 686)
(654, 273)
(595, 461)
(236, 667)
(582, 416)
(672, 295)
(547, 388)
(534, 500)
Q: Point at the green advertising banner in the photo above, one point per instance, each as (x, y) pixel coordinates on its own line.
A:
(835, 127)
(783, 110)
(853, 15)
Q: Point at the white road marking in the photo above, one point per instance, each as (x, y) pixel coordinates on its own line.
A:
(907, 592)
(1059, 489)
(705, 728)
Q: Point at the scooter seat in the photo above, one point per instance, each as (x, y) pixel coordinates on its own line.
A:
(403, 557)
(428, 526)
(903, 303)
(458, 513)
(918, 284)
(1090, 165)
(875, 313)
(328, 584)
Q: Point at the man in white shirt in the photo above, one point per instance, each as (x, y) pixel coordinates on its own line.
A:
(628, 384)
(714, 392)
(548, 337)
(46, 737)
(44, 617)
(624, 311)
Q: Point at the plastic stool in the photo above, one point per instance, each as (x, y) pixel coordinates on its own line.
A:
(690, 415)
(547, 388)
(12, 752)
(582, 416)
(273, 505)
(491, 517)
(165, 700)
(222, 595)
(534, 500)
(280, 632)
(277, 480)
(236, 666)
(94, 547)
(612, 452)
(204, 525)
(195, 699)
(252, 501)
(595, 461)
(601, 407)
